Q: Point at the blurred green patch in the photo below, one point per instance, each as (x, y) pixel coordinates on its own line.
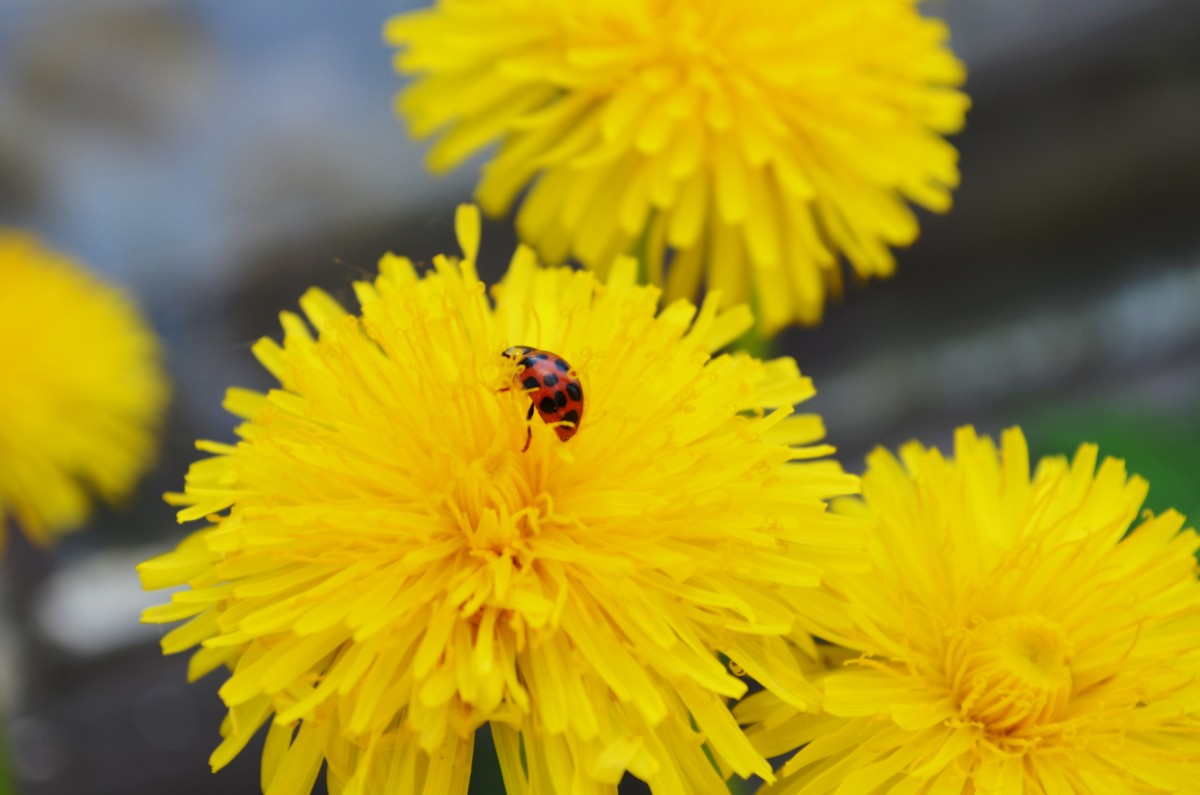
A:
(6, 787)
(1163, 449)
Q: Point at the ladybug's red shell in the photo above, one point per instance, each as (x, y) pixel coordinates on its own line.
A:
(552, 385)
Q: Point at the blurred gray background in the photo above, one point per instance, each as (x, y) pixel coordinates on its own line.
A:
(219, 157)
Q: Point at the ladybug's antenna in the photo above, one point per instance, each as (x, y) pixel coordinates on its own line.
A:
(566, 332)
(537, 323)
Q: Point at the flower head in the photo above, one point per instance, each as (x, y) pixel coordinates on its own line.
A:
(385, 568)
(759, 141)
(82, 394)
(1016, 635)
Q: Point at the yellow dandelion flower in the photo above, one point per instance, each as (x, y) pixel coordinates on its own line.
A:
(758, 141)
(386, 570)
(82, 394)
(1016, 636)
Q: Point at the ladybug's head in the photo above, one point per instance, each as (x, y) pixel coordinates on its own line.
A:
(516, 352)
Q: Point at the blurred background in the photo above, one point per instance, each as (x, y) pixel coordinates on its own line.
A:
(217, 158)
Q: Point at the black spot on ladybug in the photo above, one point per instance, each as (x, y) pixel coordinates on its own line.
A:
(528, 363)
(573, 390)
(550, 379)
(571, 416)
(532, 383)
(542, 356)
(561, 397)
(547, 406)
(561, 365)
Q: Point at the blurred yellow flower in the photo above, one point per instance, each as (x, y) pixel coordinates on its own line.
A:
(393, 572)
(1017, 636)
(758, 141)
(82, 394)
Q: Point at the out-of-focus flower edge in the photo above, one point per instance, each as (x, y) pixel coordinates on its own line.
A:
(83, 392)
(757, 143)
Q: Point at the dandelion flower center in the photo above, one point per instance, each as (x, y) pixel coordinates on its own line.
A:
(1026, 628)
(1011, 674)
(688, 41)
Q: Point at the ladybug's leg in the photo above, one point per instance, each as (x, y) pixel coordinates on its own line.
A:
(528, 429)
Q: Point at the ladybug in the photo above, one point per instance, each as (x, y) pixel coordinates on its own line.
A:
(553, 387)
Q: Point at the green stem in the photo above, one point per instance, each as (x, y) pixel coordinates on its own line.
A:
(640, 251)
(739, 786)
(753, 342)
